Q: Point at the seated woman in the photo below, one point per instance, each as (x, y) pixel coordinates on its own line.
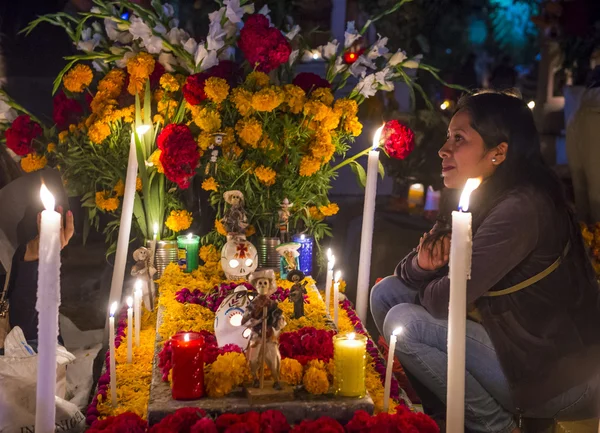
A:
(531, 351)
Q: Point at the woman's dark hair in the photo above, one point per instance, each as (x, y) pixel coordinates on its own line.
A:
(503, 117)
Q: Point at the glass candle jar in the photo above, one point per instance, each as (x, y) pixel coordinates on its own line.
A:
(187, 360)
(349, 355)
(188, 252)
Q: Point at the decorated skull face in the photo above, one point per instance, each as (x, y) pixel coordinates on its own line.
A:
(264, 282)
(228, 318)
(238, 257)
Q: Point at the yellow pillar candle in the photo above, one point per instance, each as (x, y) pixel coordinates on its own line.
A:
(416, 192)
(349, 355)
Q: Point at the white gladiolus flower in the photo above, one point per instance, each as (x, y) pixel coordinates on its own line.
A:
(88, 41)
(98, 65)
(7, 113)
(204, 58)
(227, 54)
(216, 32)
(359, 67)
(174, 22)
(176, 36)
(139, 29)
(382, 78)
(339, 65)
(167, 10)
(351, 35)
(190, 45)
(160, 29)
(330, 49)
(95, 10)
(293, 32)
(235, 12)
(293, 57)
(378, 49)
(168, 61)
(367, 86)
(397, 58)
(414, 62)
(154, 44)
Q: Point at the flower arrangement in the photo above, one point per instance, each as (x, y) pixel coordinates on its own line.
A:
(591, 237)
(250, 123)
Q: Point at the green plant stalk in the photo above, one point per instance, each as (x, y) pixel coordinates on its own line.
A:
(353, 158)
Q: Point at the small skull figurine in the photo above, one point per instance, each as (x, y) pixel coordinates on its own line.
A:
(264, 282)
(238, 257)
(235, 220)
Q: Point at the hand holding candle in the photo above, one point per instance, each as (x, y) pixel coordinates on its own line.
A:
(389, 370)
(129, 329)
(460, 272)
(111, 348)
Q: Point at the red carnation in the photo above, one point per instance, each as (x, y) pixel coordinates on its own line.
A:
(309, 81)
(273, 421)
(125, 423)
(243, 427)
(227, 70)
(179, 155)
(205, 425)
(193, 89)
(227, 420)
(399, 140)
(181, 421)
(65, 110)
(158, 72)
(263, 46)
(322, 425)
(361, 422)
(21, 133)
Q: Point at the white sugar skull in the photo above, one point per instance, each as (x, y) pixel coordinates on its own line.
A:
(238, 257)
(264, 282)
(228, 319)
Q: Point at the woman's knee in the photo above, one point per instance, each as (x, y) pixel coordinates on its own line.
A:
(411, 323)
(391, 291)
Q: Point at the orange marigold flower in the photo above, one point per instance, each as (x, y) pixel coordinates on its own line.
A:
(119, 188)
(78, 78)
(210, 184)
(33, 162)
(106, 202)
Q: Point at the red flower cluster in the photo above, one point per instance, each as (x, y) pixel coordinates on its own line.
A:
(182, 421)
(21, 133)
(307, 344)
(263, 46)
(65, 111)
(321, 425)
(125, 423)
(193, 89)
(179, 155)
(403, 421)
(309, 81)
(399, 139)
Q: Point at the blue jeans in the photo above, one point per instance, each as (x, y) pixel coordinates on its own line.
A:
(422, 351)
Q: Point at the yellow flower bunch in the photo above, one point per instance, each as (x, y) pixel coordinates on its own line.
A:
(315, 381)
(98, 132)
(210, 184)
(322, 146)
(216, 89)
(78, 78)
(139, 68)
(322, 94)
(266, 175)
(62, 136)
(249, 130)
(316, 110)
(267, 99)
(169, 83)
(154, 159)
(257, 78)
(353, 126)
(119, 188)
(167, 106)
(295, 98)
(179, 220)
(228, 371)
(291, 371)
(346, 107)
(242, 99)
(250, 230)
(138, 184)
(331, 120)
(33, 162)
(329, 210)
(205, 140)
(106, 202)
(51, 148)
(309, 165)
(209, 253)
(208, 120)
(111, 85)
(220, 228)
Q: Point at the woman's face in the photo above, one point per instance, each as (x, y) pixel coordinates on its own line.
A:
(464, 154)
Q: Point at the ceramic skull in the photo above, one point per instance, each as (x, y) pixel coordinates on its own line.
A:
(238, 257)
(228, 318)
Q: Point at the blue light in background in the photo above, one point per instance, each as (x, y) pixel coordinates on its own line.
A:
(125, 15)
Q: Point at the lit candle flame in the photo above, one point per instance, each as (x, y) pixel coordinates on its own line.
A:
(155, 229)
(351, 336)
(142, 129)
(189, 236)
(113, 309)
(470, 186)
(331, 263)
(398, 331)
(47, 197)
(186, 337)
(338, 275)
(377, 137)
(129, 302)
(302, 237)
(328, 253)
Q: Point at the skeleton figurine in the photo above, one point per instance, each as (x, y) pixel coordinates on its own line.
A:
(297, 292)
(235, 221)
(144, 269)
(284, 217)
(264, 349)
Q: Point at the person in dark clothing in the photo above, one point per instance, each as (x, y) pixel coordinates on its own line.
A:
(504, 75)
(534, 348)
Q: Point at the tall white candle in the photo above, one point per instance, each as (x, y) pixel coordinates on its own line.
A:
(111, 348)
(389, 370)
(336, 298)
(137, 310)
(129, 329)
(48, 301)
(366, 237)
(116, 286)
(460, 272)
(329, 280)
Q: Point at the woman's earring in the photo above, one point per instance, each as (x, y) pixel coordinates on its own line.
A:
(493, 160)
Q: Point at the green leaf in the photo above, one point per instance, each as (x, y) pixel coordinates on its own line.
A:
(381, 170)
(360, 173)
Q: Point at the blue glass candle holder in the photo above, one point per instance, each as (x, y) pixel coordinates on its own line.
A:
(305, 260)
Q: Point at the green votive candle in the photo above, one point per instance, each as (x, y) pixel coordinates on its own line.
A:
(187, 257)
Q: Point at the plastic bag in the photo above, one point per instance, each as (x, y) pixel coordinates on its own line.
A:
(18, 373)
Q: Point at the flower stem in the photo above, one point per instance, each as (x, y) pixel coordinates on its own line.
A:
(354, 158)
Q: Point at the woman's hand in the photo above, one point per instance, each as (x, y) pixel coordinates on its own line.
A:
(433, 256)
(66, 233)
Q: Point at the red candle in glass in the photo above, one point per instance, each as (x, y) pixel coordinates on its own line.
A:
(187, 360)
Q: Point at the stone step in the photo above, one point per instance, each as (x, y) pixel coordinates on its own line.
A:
(587, 426)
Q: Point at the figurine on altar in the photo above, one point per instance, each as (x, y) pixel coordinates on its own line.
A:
(239, 257)
(144, 270)
(228, 318)
(235, 220)
(289, 257)
(265, 320)
(297, 292)
(284, 217)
